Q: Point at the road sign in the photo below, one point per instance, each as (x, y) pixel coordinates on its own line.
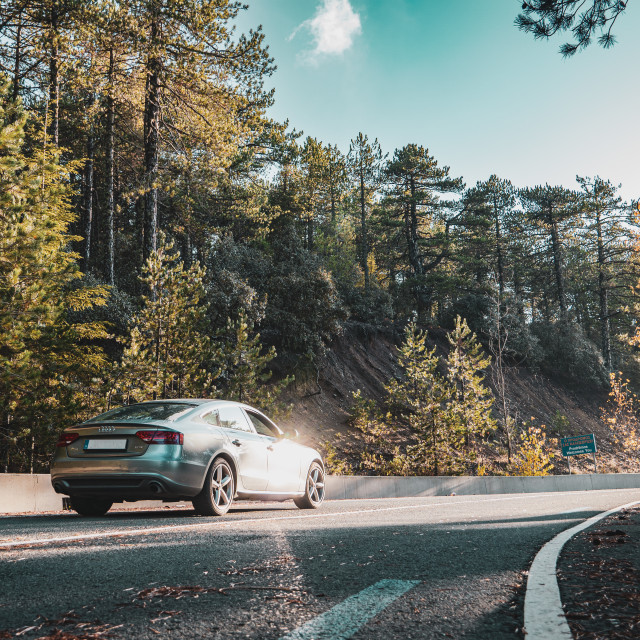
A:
(578, 444)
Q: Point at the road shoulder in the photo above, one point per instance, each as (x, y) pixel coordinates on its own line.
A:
(544, 617)
(599, 577)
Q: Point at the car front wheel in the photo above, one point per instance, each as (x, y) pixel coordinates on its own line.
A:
(314, 488)
(217, 494)
(90, 506)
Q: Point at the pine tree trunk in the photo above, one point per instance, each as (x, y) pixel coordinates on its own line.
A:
(332, 193)
(435, 448)
(54, 76)
(111, 241)
(152, 136)
(519, 294)
(546, 313)
(310, 232)
(411, 228)
(605, 322)
(558, 267)
(414, 249)
(500, 262)
(17, 59)
(88, 197)
(363, 232)
(187, 249)
(500, 382)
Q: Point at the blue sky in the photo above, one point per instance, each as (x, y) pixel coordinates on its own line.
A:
(459, 78)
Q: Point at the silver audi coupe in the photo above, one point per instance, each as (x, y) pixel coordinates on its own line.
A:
(210, 452)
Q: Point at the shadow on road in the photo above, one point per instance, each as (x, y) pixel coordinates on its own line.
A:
(532, 519)
(159, 513)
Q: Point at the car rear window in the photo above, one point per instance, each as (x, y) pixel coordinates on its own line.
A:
(146, 411)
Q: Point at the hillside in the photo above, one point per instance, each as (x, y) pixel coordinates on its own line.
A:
(357, 360)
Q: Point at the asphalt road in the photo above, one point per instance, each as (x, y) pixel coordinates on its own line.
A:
(459, 565)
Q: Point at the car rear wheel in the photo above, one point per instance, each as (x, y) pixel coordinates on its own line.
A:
(314, 488)
(90, 506)
(217, 494)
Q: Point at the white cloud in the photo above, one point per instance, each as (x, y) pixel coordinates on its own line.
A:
(333, 27)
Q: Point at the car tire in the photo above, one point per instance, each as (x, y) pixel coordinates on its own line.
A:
(90, 506)
(217, 494)
(313, 488)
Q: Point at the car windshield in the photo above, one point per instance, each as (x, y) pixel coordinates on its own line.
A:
(146, 411)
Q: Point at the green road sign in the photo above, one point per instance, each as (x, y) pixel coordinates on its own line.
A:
(578, 444)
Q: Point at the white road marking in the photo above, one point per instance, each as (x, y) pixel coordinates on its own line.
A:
(544, 617)
(6, 545)
(348, 617)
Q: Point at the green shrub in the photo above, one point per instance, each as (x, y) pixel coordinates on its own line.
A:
(566, 352)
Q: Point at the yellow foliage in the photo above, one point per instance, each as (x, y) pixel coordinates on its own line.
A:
(620, 413)
(533, 457)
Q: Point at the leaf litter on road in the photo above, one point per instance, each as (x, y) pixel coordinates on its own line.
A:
(178, 592)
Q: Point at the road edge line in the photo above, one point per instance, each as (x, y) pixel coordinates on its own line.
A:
(544, 617)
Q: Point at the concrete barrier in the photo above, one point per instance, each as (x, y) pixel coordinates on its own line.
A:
(343, 487)
(24, 493)
(27, 493)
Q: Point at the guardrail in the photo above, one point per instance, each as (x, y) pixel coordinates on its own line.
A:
(25, 493)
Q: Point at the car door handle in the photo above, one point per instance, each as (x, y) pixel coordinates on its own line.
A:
(270, 447)
(237, 443)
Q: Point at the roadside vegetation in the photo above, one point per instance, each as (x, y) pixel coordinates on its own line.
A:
(161, 236)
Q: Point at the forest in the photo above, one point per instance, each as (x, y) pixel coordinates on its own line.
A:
(161, 236)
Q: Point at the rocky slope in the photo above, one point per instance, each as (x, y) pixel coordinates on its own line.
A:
(367, 360)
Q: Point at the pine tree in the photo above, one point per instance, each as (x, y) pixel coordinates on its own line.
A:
(544, 18)
(205, 81)
(421, 397)
(315, 166)
(610, 254)
(417, 187)
(47, 359)
(244, 362)
(365, 163)
(172, 351)
(471, 402)
(488, 221)
(168, 354)
(552, 210)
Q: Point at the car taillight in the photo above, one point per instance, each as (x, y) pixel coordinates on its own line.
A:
(161, 437)
(66, 438)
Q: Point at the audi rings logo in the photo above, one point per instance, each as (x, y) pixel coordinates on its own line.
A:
(106, 429)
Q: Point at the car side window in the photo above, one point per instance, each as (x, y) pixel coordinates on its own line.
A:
(262, 426)
(233, 418)
(213, 418)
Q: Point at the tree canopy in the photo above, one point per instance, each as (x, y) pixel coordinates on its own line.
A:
(584, 20)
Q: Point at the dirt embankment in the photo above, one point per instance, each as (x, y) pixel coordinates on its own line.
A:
(367, 361)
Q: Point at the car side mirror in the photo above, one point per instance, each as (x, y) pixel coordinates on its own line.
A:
(291, 434)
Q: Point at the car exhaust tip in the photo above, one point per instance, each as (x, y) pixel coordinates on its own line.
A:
(155, 487)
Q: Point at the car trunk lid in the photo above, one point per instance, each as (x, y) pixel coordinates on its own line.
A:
(109, 440)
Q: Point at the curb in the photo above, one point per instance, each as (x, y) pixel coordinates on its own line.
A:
(544, 617)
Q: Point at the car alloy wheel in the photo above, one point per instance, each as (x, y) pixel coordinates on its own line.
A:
(314, 488)
(217, 494)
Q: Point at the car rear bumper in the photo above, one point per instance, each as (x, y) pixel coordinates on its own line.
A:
(127, 479)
